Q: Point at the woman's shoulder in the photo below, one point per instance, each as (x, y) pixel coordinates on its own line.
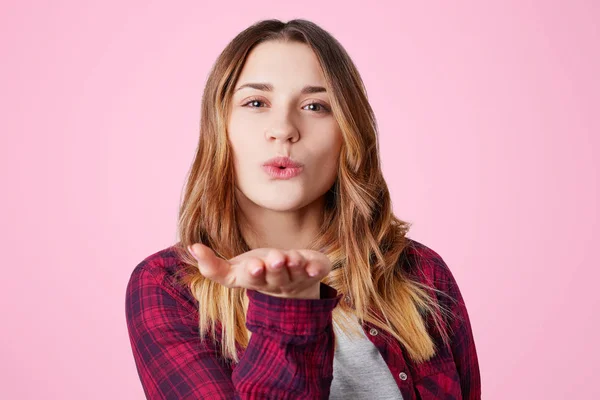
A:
(426, 265)
(162, 271)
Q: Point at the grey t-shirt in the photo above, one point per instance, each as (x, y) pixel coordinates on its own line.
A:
(359, 371)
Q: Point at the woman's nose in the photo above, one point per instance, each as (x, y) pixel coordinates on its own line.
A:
(283, 130)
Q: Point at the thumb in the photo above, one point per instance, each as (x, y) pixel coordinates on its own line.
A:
(198, 250)
(209, 264)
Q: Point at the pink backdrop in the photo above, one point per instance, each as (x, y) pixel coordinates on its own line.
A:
(489, 120)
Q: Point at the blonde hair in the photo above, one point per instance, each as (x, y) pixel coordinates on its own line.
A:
(359, 233)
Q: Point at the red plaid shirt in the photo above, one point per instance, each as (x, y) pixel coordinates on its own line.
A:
(290, 354)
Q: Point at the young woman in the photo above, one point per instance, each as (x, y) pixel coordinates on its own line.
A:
(292, 278)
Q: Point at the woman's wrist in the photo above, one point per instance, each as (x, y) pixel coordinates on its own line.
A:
(312, 293)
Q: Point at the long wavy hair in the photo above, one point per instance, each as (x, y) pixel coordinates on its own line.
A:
(359, 232)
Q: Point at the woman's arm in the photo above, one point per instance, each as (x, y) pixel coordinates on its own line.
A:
(290, 353)
(461, 334)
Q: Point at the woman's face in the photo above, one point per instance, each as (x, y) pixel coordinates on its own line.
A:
(288, 115)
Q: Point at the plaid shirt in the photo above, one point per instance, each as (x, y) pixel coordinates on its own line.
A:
(290, 354)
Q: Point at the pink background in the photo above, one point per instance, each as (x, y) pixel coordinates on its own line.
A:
(489, 121)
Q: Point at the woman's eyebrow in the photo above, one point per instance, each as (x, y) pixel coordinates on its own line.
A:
(267, 87)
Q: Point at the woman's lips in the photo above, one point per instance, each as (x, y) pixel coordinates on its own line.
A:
(282, 173)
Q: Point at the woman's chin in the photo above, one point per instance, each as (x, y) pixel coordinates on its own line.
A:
(283, 205)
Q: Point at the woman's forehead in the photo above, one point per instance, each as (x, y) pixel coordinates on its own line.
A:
(281, 64)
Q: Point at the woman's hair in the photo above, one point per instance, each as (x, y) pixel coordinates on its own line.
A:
(359, 233)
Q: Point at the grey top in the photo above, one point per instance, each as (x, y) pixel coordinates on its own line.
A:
(359, 371)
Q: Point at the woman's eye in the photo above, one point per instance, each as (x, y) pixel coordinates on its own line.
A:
(253, 102)
(318, 107)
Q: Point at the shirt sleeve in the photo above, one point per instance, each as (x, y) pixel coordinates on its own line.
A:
(461, 334)
(290, 354)
(292, 340)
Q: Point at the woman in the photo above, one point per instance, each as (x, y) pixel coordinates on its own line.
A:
(292, 278)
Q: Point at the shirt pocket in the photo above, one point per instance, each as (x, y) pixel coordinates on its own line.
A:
(437, 379)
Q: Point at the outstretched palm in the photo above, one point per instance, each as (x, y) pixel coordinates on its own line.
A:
(281, 273)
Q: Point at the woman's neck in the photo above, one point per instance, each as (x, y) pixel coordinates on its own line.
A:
(262, 227)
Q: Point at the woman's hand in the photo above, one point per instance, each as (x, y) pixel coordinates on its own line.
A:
(280, 273)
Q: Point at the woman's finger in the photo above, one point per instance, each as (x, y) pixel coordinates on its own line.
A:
(277, 275)
(296, 266)
(253, 274)
(295, 258)
(317, 264)
(211, 266)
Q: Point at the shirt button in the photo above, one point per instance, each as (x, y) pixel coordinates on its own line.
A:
(373, 332)
(403, 376)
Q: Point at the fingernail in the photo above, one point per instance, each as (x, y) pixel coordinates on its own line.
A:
(192, 252)
(256, 270)
(312, 274)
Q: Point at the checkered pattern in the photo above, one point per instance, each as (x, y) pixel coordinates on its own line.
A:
(290, 354)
